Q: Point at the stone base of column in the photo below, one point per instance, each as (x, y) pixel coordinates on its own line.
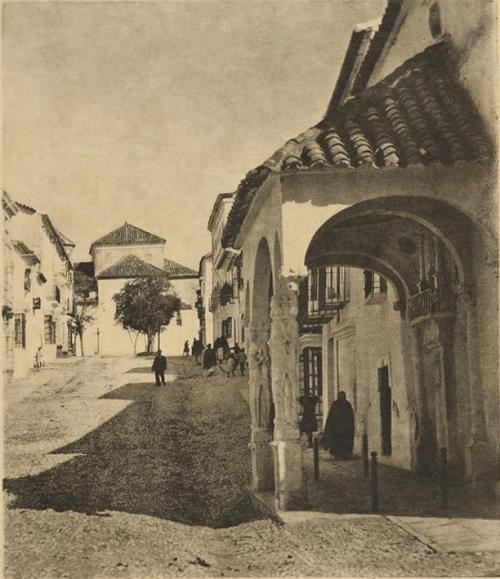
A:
(291, 490)
(262, 460)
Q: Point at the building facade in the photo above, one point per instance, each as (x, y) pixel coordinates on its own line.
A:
(38, 290)
(204, 294)
(227, 299)
(395, 183)
(128, 253)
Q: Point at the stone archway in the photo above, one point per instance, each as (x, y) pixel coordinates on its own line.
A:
(259, 362)
(400, 238)
(273, 370)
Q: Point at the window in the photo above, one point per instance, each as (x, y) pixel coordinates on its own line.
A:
(20, 331)
(27, 279)
(50, 330)
(178, 318)
(227, 328)
(313, 290)
(312, 371)
(327, 288)
(336, 285)
(374, 284)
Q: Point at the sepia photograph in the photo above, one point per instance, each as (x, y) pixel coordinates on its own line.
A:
(250, 319)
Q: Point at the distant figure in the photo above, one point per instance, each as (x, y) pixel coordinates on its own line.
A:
(186, 348)
(338, 437)
(230, 364)
(219, 349)
(159, 367)
(242, 360)
(209, 361)
(39, 361)
(194, 347)
(198, 351)
(308, 424)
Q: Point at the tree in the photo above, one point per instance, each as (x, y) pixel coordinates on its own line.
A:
(84, 285)
(146, 306)
(79, 320)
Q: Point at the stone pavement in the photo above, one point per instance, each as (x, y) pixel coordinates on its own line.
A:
(471, 522)
(109, 476)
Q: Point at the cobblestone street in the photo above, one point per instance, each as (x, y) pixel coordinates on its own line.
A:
(108, 475)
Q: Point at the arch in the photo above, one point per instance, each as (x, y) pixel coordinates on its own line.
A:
(262, 283)
(260, 370)
(447, 223)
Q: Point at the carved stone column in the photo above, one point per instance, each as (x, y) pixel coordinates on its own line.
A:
(290, 488)
(478, 455)
(259, 369)
(437, 391)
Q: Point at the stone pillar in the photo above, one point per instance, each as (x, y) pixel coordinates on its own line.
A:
(290, 491)
(479, 459)
(436, 392)
(259, 370)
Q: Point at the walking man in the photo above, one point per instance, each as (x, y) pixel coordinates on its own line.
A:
(159, 367)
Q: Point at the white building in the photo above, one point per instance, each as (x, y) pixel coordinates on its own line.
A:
(227, 300)
(130, 253)
(38, 290)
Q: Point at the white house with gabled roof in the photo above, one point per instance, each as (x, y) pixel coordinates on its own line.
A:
(128, 253)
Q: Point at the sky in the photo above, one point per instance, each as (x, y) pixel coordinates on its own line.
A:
(145, 111)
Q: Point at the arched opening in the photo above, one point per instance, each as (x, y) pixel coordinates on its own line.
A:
(260, 369)
(422, 360)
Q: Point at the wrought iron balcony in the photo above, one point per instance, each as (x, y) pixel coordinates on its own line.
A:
(430, 302)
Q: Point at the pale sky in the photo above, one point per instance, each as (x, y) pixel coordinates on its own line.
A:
(145, 111)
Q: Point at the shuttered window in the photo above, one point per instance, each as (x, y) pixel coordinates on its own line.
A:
(20, 331)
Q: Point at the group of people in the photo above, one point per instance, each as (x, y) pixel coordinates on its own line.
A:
(338, 435)
(217, 357)
(223, 358)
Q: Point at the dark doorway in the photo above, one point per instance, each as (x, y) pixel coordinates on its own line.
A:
(385, 410)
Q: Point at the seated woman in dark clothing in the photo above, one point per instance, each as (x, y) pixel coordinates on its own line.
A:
(338, 436)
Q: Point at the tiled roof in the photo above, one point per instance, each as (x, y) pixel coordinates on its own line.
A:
(130, 266)
(26, 253)
(420, 114)
(128, 234)
(175, 270)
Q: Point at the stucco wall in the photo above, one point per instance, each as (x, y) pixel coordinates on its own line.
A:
(108, 255)
(366, 338)
(114, 340)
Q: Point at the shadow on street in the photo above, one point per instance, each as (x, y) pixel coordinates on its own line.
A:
(145, 461)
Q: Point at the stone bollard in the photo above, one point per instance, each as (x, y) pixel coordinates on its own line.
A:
(366, 462)
(374, 482)
(316, 458)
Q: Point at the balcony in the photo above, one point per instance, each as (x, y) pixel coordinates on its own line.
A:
(431, 302)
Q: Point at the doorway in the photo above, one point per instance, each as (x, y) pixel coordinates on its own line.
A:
(385, 410)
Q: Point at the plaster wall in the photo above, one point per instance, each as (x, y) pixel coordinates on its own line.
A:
(114, 340)
(108, 255)
(471, 26)
(367, 336)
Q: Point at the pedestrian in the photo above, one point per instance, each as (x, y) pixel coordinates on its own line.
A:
(242, 359)
(39, 362)
(186, 348)
(209, 361)
(338, 436)
(198, 352)
(230, 364)
(219, 350)
(159, 367)
(308, 423)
